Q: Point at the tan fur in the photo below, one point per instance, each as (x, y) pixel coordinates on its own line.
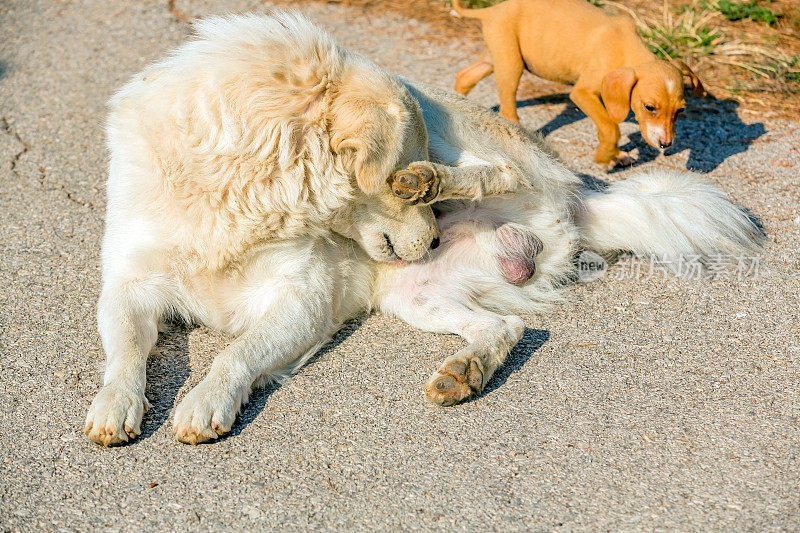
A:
(574, 42)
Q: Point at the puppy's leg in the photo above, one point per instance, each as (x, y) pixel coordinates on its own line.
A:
(127, 318)
(296, 321)
(608, 153)
(508, 66)
(490, 336)
(468, 77)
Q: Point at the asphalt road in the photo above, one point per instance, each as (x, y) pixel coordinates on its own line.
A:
(643, 403)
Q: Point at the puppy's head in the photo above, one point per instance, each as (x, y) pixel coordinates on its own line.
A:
(654, 92)
(376, 130)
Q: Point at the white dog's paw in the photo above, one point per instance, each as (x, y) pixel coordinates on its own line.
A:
(115, 415)
(205, 414)
(461, 376)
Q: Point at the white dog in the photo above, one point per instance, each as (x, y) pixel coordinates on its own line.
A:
(268, 183)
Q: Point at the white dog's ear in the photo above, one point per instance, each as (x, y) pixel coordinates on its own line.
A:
(365, 136)
(363, 159)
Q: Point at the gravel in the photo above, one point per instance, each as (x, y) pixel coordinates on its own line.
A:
(640, 404)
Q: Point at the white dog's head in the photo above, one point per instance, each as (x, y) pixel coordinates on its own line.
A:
(377, 130)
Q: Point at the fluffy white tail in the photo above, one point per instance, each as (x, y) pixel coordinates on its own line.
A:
(666, 214)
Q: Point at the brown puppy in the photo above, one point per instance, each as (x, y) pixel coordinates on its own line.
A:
(572, 41)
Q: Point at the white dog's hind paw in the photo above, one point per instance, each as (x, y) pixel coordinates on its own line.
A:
(460, 377)
(115, 415)
(205, 414)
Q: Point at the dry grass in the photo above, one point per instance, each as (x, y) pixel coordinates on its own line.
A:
(747, 50)
(697, 33)
(748, 59)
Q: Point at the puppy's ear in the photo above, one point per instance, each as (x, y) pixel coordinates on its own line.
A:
(697, 87)
(365, 138)
(616, 92)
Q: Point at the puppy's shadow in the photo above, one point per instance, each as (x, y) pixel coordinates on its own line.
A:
(532, 340)
(711, 130)
(166, 374)
(565, 117)
(259, 397)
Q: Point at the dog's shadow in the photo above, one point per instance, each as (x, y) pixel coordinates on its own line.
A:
(259, 397)
(166, 374)
(531, 341)
(711, 130)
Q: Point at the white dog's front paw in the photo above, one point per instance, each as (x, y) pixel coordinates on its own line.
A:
(206, 413)
(115, 415)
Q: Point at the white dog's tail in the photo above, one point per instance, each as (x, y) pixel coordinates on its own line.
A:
(666, 214)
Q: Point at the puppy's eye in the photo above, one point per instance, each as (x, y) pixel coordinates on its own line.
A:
(650, 108)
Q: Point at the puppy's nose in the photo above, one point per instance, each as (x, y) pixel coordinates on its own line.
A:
(435, 243)
(664, 144)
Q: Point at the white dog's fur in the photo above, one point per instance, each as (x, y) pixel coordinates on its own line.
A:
(247, 192)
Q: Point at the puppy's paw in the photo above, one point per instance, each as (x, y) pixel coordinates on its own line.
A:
(417, 183)
(205, 414)
(461, 376)
(115, 415)
(622, 159)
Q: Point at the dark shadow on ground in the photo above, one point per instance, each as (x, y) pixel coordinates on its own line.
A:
(567, 116)
(710, 129)
(259, 397)
(532, 340)
(166, 374)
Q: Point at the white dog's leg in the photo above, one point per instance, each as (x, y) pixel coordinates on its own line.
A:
(491, 337)
(295, 324)
(127, 319)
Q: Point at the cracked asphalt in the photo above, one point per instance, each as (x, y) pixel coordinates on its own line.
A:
(642, 403)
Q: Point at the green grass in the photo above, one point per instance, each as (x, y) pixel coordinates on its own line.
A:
(475, 4)
(743, 10)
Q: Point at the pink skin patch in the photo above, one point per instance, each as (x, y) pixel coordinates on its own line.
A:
(519, 248)
(515, 270)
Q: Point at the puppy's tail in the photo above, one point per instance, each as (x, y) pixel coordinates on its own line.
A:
(666, 214)
(471, 13)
